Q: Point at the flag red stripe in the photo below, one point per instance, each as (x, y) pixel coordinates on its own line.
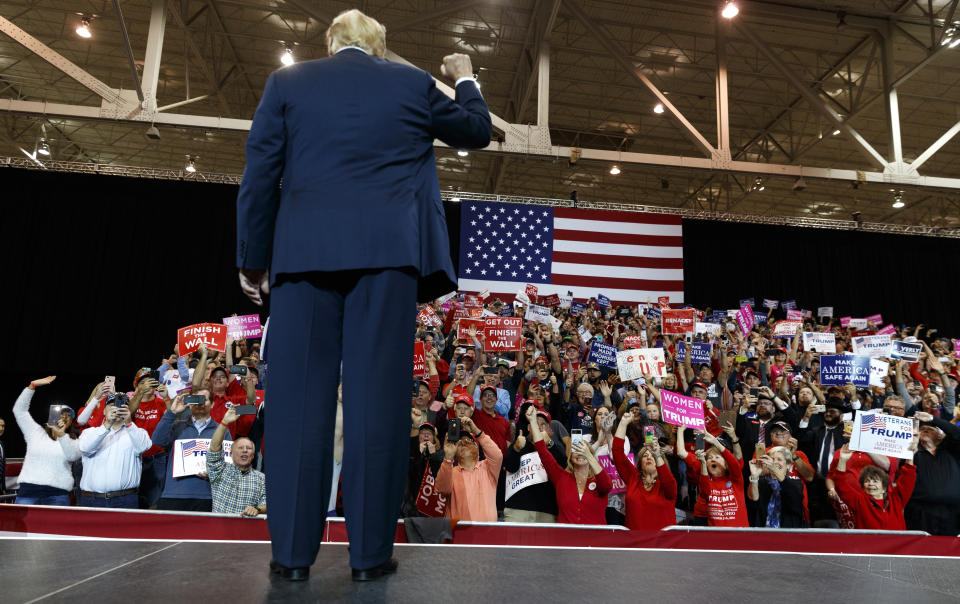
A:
(615, 216)
(623, 238)
(617, 283)
(614, 260)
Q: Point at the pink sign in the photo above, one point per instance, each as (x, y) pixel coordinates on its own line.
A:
(745, 319)
(888, 329)
(877, 319)
(247, 326)
(606, 462)
(845, 321)
(956, 348)
(682, 410)
(794, 314)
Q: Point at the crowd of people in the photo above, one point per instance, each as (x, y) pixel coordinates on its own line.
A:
(543, 434)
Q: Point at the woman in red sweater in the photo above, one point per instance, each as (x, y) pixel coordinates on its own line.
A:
(651, 490)
(721, 483)
(582, 487)
(875, 503)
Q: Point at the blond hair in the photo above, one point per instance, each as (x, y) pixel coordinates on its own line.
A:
(353, 28)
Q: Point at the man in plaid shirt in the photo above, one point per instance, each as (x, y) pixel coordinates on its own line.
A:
(236, 488)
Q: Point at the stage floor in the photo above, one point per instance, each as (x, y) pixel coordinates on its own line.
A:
(61, 570)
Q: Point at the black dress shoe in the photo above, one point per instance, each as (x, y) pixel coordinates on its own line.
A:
(370, 574)
(301, 573)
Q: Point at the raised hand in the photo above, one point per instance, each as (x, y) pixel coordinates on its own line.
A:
(456, 66)
(43, 381)
(229, 417)
(178, 406)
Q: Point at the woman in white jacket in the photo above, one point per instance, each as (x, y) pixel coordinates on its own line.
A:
(46, 478)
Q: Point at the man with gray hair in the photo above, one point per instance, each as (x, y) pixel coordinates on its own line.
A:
(353, 240)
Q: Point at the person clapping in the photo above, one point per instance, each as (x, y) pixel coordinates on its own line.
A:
(651, 488)
(582, 487)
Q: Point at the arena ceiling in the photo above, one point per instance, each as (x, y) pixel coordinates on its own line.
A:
(846, 93)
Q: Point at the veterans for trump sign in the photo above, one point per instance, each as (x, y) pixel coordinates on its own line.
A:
(889, 435)
(840, 369)
(683, 411)
(637, 362)
(872, 346)
(815, 341)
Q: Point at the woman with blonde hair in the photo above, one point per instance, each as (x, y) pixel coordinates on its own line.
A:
(779, 495)
(582, 487)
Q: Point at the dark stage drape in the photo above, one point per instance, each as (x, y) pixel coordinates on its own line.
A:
(102, 270)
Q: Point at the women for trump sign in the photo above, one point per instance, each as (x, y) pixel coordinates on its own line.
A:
(683, 411)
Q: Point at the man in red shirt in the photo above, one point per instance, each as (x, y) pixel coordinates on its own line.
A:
(223, 400)
(147, 405)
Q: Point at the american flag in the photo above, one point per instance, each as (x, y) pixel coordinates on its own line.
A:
(626, 256)
(871, 420)
(189, 446)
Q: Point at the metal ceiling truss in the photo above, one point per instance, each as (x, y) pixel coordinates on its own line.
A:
(534, 140)
(234, 179)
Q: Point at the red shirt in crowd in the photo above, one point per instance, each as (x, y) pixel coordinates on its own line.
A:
(869, 513)
(724, 495)
(498, 428)
(647, 510)
(147, 417)
(223, 402)
(693, 475)
(591, 508)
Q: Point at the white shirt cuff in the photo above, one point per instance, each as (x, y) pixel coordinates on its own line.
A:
(465, 79)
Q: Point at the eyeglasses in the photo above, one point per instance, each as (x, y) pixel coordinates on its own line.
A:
(889, 409)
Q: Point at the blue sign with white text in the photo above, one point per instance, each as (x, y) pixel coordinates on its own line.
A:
(603, 355)
(841, 369)
(603, 301)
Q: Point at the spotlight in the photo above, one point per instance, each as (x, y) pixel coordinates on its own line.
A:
(287, 57)
(615, 169)
(658, 108)
(955, 43)
(83, 30)
(948, 35)
(758, 184)
(730, 10)
(836, 132)
(462, 153)
(43, 148)
(153, 133)
(898, 200)
(190, 166)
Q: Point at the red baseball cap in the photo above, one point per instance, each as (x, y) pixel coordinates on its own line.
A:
(464, 398)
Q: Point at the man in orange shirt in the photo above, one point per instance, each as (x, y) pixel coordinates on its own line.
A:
(471, 485)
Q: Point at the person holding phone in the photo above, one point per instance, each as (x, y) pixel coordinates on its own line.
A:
(111, 459)
(582, 487)
(46, 477)
(651, 488)
(471, 485)
(778, 492)
(235, 488)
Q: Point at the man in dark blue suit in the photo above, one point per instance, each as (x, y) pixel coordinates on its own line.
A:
(353, 239)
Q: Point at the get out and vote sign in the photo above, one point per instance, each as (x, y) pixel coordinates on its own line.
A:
(211, 335)
(683, 411)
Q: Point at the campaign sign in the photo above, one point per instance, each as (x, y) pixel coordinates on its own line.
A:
(908, 351)
(841, 369)
(551, 300)
(521, 296)
(679, 321)
(844, 321)
(475, 312)
(603, 355)
(682, 410)
(531, 291)
(664, 302)
(463, 331)
(471, 301)
(577, 307)
(819, 342)
(633, 342)
(878, 370)
(459, 312)
(211, 335)
(606, 462)
(875, 432)
(872, 346)
(566, 301)
(759, 318)
(825, 311)
(956, 348)
(636, 363)
(887, 329)
(502, 333)
(507, 310)
(700, 353)
(531, 472)
(190, 456)
(745, 319)
(446, 298)
(654, 314)
(603, 301)
(427, 316)
(771, 304)
(246, 326)
(857, 323)
(538, 314)
(876, 319)
(794, 314)
(747, 302)
(788, 304)
(419, 360)
(786, 329)
(807, 314)
(711, 328)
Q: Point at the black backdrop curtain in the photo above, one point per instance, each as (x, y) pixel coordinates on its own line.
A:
(102, 270)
